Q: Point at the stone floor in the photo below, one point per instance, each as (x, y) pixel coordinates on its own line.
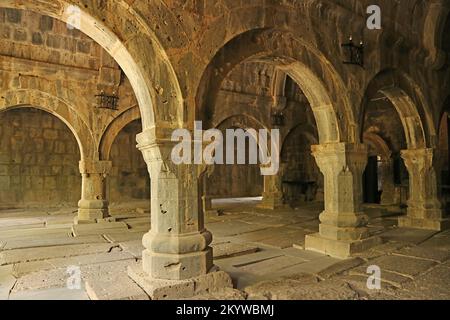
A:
(40, 252)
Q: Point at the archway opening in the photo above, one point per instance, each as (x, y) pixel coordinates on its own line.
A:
(385, 179)
(39, 158)
(301, 178)
(129, 182)
(259, 94)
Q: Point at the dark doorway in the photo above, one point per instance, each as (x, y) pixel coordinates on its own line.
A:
(370, 181)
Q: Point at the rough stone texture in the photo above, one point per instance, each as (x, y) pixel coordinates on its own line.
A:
(257, 64)
(271, 272)
(173, 289)
(42, 160)
(109, 281)
(129, 176)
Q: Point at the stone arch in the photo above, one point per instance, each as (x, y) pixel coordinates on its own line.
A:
(408, 101)
(252, 124)
(113, 129)
(214, 172)
(435, 22)
(148, 73)
(255, 122)
(378, 143)
(308, 133)
(321, 84)
(37, 99)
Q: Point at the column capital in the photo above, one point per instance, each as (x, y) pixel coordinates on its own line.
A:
(88, 166)
(340, 148)
(337, 158)
(420, 159)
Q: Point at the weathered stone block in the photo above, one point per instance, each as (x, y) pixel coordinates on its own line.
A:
(37, 39)
(50, 134)
(46, 23)
(339, 248)
(20, 35)
(179, 289)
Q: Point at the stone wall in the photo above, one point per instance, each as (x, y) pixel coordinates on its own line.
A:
(129, 177)
(50, 40)
(38, 160)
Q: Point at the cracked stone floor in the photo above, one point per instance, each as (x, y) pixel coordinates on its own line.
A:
(262, 251)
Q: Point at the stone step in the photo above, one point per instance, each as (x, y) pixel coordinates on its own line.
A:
(21, 269)
(129, 235)
(43, 253)
(109, 281)
(7, 281)
(99, 228)
(21, 227)
(228, 250)
(33, 232)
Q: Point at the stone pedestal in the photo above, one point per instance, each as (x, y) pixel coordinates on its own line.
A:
(343, 230)
(159, 289)
(93, 206)
(177, 248)
(424, 207)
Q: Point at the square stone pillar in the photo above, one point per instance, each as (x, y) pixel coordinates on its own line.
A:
(343, 230)
(93, 205)
(424, 207)
(177, 255)
(273, 197)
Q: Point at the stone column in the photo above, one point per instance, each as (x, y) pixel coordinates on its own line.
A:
(273, 197)
(342, 231)
(388, 195)
(177, 261)
(93, 205)
(424, 207)
(207, 203)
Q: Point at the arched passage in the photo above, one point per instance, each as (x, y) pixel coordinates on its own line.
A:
(39, 156)
(114, 129)
(326, 95)
(398, 90)
(143, 79)
(128, 180)
(226, 181)
(409, 103)
(301, 177)
(65, 112)
(378, 180)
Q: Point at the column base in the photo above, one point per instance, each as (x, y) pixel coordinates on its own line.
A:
(77, 220)
(341, 249)
(177, 266)
(92, 211)
(272, 204)
(426, 224)
(180, 289)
